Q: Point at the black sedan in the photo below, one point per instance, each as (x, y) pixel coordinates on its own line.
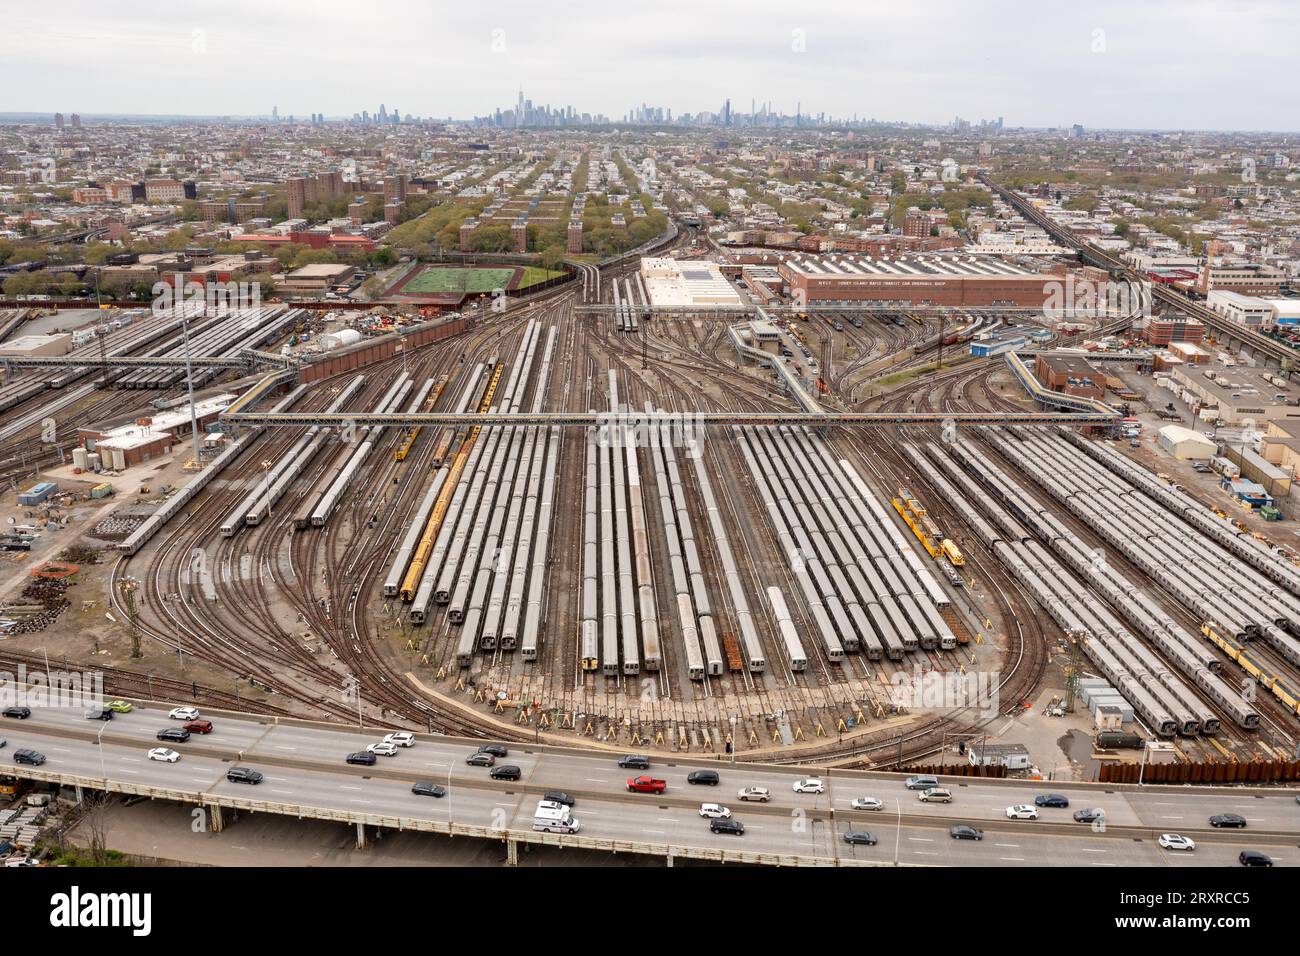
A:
(18, 713)
(1051, 800)
(428, 790)
(1231, 820)
(859, 837)
(1089, 816)
(175, 735)
(963, 832)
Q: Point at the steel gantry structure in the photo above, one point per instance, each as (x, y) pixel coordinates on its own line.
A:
(671, 419)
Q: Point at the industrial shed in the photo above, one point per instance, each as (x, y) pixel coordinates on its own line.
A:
(1185, 444)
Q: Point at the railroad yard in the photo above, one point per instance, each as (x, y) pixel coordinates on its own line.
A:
(673, 586)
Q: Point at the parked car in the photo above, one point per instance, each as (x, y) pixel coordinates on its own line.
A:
(1232, 820)
(479, 759)
(183, 713)
(18, 713)
(1176, 841)
(634, 762)
(963, 832)
(1022, 811)
(755, 794)
(714, 811)
(1051, 800)
(706, 778)
(428, 790)
(244, 775)
(173, 735)
(935, 795)
(734, 827)
(362, 758)
(163, 754)
(867, 803)
(1253, 858)
(810, 785)
(859, 837)
(401, 738)
(506, 772)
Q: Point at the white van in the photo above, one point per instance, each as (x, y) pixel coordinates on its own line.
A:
(553, 817)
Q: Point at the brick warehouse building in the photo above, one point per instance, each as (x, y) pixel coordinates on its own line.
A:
(963, 281)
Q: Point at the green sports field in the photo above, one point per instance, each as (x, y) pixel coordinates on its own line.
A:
(436, 279)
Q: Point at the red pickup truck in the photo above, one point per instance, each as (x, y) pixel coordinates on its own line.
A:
(645, 784)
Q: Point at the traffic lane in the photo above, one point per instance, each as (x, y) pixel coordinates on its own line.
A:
(141, 723)
(988, 804)
(651, 822)
(320, 788)
(120, 762)
(1267, 811)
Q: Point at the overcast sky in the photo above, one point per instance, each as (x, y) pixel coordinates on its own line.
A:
(1137, 63)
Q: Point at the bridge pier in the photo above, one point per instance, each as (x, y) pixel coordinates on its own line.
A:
(217, 822)
(512, 852)
(80, 797)
(669, 858)
(362, 842)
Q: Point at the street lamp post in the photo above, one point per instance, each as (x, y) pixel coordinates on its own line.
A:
(898, 830)
(99, 740)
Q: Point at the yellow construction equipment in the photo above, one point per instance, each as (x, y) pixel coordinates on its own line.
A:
(952, 553)
(920, 523)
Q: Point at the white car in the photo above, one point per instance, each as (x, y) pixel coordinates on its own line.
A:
(757, 794)
(868, 803)
(183, 713)
(163, 754)
(402, 738)
(385, 748)
(715, 811)
(1175, 841)
(810, 785)
(1022, 811)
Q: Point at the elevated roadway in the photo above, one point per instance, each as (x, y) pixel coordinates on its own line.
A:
(305, 776)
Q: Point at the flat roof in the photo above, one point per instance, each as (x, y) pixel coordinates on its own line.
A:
(865, 266)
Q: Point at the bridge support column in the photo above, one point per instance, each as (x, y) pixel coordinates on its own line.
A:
(362, 843)
(512, 852)
(669, 860)
(77, 788)
(218, 822)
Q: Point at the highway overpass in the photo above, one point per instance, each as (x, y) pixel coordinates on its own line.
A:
(306, 777)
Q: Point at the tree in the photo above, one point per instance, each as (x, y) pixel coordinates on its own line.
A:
(552, 257)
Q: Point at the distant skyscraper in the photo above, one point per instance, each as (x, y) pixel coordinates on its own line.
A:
(275, 112)
(58, 120)
(76, 120)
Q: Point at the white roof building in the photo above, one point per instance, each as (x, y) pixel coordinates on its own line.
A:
(669, 282)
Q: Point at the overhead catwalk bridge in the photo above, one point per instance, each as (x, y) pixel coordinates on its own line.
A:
(243, 359)
(670, 419)
(743, 311)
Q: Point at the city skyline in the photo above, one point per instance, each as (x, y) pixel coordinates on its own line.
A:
(1111, 66)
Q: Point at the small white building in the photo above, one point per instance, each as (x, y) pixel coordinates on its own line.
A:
(1185, 444)
(1011, 756)
(1242, 309)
